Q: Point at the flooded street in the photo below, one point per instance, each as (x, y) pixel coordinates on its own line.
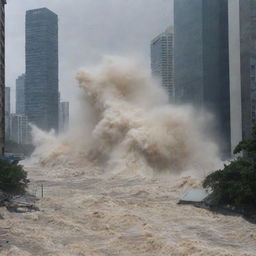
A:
(93, 214)
(111, 184)
(111, 112)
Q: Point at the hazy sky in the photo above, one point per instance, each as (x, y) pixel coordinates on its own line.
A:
(88, 30)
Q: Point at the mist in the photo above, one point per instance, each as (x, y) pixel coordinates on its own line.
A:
(126, 125)
(88, 30)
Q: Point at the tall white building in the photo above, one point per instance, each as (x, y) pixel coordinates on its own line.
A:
(242, 68)
(63, 116)
(19, 128)
(162, 60)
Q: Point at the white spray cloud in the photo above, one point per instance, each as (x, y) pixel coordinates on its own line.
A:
(126, 125)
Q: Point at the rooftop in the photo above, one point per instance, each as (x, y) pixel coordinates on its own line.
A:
(40, 10)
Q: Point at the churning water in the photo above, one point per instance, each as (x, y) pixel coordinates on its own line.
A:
(111, 183)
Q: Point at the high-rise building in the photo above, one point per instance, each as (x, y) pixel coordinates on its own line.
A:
(242, 49)
(162, 60)
(7, 113)
(2, 74)
(19, 129)
(63, 116)
(201, 60)
(7, 102)
(41, 82)
(20, 95)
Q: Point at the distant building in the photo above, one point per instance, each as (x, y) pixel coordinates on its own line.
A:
(20, 95)
(41, 83)
(201, 60)
(162, 60)
(2, 74)
(63, 116)
(7, 103)
(7, 113)
(19, 128)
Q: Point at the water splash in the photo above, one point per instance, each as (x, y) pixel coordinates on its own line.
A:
(126, 125)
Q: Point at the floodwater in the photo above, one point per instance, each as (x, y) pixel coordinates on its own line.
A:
(111, 183)
(93, 214)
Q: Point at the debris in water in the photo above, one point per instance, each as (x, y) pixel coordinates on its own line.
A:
(22, 204)
(194, 196)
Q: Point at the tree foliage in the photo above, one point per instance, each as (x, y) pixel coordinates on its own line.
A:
(236, 183)
(13, 178)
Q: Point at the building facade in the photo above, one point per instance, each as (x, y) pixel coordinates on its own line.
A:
(2, 75)
(63, 116)
(162, 60)
(7, 113)
(20, 95)
(242, 48)
(41, 83)
(201, 60)
(19, 129)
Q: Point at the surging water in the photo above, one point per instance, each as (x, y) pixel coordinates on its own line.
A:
(127, 125)
(97, 200)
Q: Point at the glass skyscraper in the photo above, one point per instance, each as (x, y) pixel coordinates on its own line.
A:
(201, 60)
(20, 95)
(41, 80)
(162, 60)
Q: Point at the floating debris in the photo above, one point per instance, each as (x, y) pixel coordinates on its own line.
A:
(194, 196)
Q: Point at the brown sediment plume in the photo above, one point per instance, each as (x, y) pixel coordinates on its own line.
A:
(97, 200)
(127, 125)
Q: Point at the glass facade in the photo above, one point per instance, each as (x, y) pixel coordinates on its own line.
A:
(162, 60)
(63, 116)
(19, 129)
(201, 60)
(188, 51)
(247, 55)
(20, 95)
(41, 82)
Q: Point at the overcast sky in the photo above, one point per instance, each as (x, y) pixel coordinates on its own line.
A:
(88, 30)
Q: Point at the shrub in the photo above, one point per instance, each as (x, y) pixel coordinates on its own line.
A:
(236, 183)
(13, 178)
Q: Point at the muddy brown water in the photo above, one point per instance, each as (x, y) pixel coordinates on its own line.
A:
(101, 215)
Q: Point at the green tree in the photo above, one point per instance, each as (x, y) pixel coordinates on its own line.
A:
(235, 184)
(13, 178)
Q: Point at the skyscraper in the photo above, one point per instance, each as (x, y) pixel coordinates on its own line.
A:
(63, 116)
(19, 129)
(162, 60)
(7, 100)
(2, 74)
(7, 113)
(242, 49)
(201, 60)
(20, 95)
(41, 83)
